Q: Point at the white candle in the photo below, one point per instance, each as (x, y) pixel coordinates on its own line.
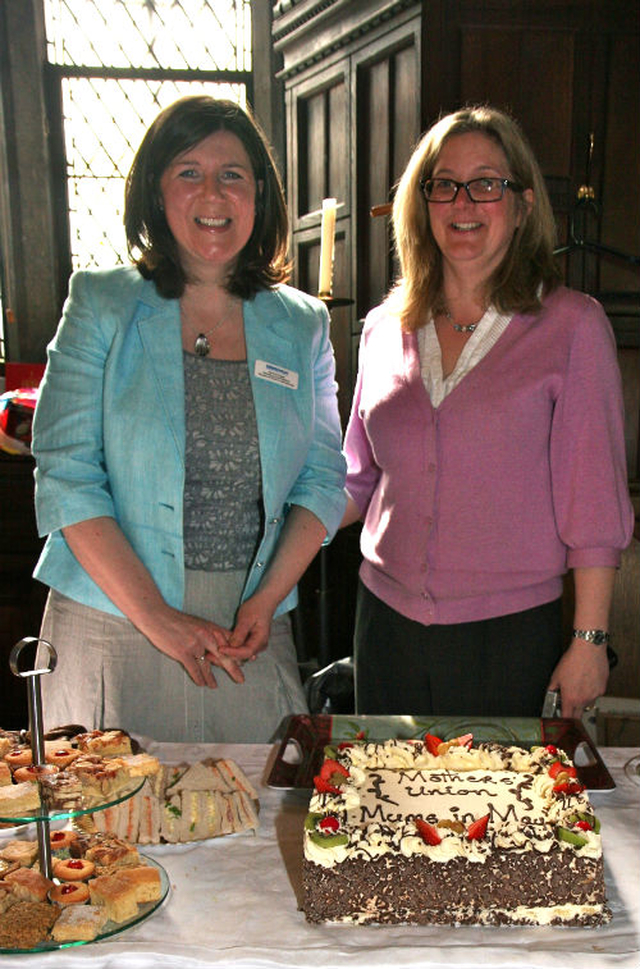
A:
(327, 242)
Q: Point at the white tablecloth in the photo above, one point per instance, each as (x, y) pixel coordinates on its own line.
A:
(233, 902)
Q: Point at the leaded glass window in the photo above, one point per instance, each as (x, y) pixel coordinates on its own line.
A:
(118, 63)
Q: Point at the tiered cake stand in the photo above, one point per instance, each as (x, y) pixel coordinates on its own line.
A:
(44, 817)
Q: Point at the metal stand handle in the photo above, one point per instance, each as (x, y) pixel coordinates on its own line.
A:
(36, 731)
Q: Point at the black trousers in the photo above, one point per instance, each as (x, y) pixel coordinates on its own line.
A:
(493, 667)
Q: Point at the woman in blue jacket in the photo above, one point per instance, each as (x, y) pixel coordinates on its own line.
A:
(187, 446)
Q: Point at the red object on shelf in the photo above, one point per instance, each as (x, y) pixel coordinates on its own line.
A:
(17, 375)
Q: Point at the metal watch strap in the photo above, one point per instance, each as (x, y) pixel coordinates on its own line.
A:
(596, 636)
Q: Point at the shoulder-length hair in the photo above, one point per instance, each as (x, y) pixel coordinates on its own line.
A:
(528, 264)
(263, 262)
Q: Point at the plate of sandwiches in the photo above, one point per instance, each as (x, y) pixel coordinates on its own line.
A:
(181, 803)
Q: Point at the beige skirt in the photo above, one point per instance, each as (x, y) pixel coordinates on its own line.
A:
(109, 675)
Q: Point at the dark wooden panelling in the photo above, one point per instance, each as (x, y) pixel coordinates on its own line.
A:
(526, 72)
(619, 195)
(338, 144)
(307, 257)
(388, 124)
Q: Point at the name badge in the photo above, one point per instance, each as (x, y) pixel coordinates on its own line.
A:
(276, 375)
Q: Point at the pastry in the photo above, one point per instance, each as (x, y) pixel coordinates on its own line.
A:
(79, 923)
(61, 791)
(116, 895)
(18, 756)
(61, 839)
(24, 852)
(105, 743)
(140, 765)
(25, 924)
(69, 893)
(73, 869)
(5, 867)
(34, 772)
(19, 800)
(100, 778)
(104, 849)
(60, 756)
(29, 884)
(145, 880)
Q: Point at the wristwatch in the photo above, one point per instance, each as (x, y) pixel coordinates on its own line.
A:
(596, 636)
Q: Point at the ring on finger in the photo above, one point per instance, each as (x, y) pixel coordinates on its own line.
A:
(202, 658)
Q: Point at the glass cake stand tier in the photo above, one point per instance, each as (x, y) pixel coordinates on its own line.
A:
(45, 814)
(111, 928)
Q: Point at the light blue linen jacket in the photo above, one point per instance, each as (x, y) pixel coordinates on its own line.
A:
(109, 427)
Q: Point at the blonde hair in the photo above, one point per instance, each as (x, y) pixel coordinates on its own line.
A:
(528, 263)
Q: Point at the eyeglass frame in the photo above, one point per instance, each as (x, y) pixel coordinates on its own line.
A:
(504, 183)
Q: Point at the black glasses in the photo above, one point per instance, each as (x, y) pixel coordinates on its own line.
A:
(478, 189)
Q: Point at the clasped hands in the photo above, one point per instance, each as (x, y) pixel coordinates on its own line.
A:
(200, 644)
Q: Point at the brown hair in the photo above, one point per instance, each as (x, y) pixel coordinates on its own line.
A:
(528, 263)
(263, 261)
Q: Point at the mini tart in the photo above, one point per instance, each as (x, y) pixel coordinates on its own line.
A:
(69, 893)
(61, 756)
(18, 757)
(73, 869)
(61, 839)
(33, 772)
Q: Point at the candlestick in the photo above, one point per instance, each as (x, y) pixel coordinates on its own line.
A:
(327, 242)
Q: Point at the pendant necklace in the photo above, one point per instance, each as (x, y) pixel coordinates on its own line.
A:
(202, 347)
(460, 327)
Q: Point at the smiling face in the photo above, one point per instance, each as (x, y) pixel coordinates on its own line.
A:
(474, 236)
(209, 194)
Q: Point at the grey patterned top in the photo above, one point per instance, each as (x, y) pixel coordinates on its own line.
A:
(223, 489)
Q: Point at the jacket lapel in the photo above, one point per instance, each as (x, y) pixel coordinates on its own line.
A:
(271, 339)
(161, 337)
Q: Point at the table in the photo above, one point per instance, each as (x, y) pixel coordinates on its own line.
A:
(232, 903)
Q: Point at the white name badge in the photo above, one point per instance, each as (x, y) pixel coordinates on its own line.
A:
(276, 375)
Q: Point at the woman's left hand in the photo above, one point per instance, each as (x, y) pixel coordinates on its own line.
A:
(251, 632)
(581, 676)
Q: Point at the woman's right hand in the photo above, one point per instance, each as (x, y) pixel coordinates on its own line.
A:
(106, 555)
(195, 643)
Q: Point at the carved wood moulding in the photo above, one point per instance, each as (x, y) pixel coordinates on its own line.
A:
(307, 31)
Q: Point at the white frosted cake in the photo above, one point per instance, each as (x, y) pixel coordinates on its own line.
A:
(433, 832)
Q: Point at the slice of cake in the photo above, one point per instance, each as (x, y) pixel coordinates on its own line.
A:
(61, 791)
(426, 832)
(145, 880)
(26, 924)
(23, 851)
(79, 923)
(19, 800)
(116, 895)
(105, 743)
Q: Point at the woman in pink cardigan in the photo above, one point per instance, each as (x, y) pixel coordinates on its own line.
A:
(485, 446)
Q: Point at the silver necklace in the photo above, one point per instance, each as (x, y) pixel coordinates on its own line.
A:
(460, 327)
(202, 347)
